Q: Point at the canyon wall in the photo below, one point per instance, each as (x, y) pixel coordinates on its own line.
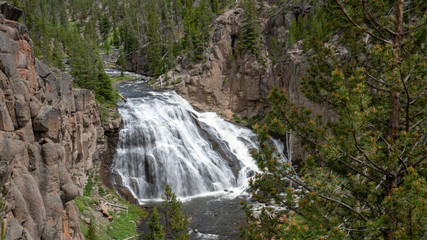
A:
(232, 81)
(48, 134)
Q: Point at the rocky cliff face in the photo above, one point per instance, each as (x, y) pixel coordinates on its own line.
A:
(48, 134)
(230, 80)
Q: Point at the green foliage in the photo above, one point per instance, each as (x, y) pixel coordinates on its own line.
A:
(84, 202)
(309, 27)
(154, 226)
(88, 187)
(250, 28)
(176, 222)
(236, 118)
(124, 226)
(363, 176)
(92, 232)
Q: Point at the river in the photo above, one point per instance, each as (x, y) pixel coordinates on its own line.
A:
(204, 159)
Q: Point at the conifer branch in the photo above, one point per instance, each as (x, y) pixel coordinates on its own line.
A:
(367, 158)
(366, 10)
(357, 25)
(329, 198)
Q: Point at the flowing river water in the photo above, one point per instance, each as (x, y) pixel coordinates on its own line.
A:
(204, 159)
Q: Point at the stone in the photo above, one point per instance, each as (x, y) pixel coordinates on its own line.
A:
(27, 186)
(42, 69)
(50, 154)
(34, 108)
(22, 111)
(47, 120)
(207, 66)
(73, 220)
(39, 104)
(218, 54)
(6, 123)
(8, 65)
(13, 230)
(69, 190)
(5, 46)
(10, 12)
(178, 68)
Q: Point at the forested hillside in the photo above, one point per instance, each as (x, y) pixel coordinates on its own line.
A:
(80, 30)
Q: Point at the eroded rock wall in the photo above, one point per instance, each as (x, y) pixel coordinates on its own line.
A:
(231, 81)
(48, 134)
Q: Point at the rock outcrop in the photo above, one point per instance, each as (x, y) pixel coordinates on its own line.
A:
(48, 134)
(231, 81)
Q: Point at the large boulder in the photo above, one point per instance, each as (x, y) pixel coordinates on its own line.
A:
(47, 121)
(22, 111)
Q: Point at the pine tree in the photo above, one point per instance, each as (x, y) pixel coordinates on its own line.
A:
(250, 28)
(154, 226)
(154, 50)
(176, 222)
(363, 176)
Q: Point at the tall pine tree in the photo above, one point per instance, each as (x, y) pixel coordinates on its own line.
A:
(250, 28)
(364, 172)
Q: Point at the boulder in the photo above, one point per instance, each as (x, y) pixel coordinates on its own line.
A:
(22, 111)
(42, 69)
(14, 230)
(8, 65)
(35, 107)
(47, 121)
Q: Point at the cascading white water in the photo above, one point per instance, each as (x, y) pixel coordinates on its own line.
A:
(165, 141)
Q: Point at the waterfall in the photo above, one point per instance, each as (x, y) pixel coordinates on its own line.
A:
(165, 141)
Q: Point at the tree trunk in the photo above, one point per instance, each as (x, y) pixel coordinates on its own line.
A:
(395, 95)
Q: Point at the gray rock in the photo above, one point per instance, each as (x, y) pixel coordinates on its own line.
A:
(207, 66)
(6, 123)
(218, 54)
(50, 154)
(69, 190)
(42, 69)
(35, 108)
(178, 68)
(4, 43)
(47, 121)
(8, 65)
(22, 111)
(14, 230)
